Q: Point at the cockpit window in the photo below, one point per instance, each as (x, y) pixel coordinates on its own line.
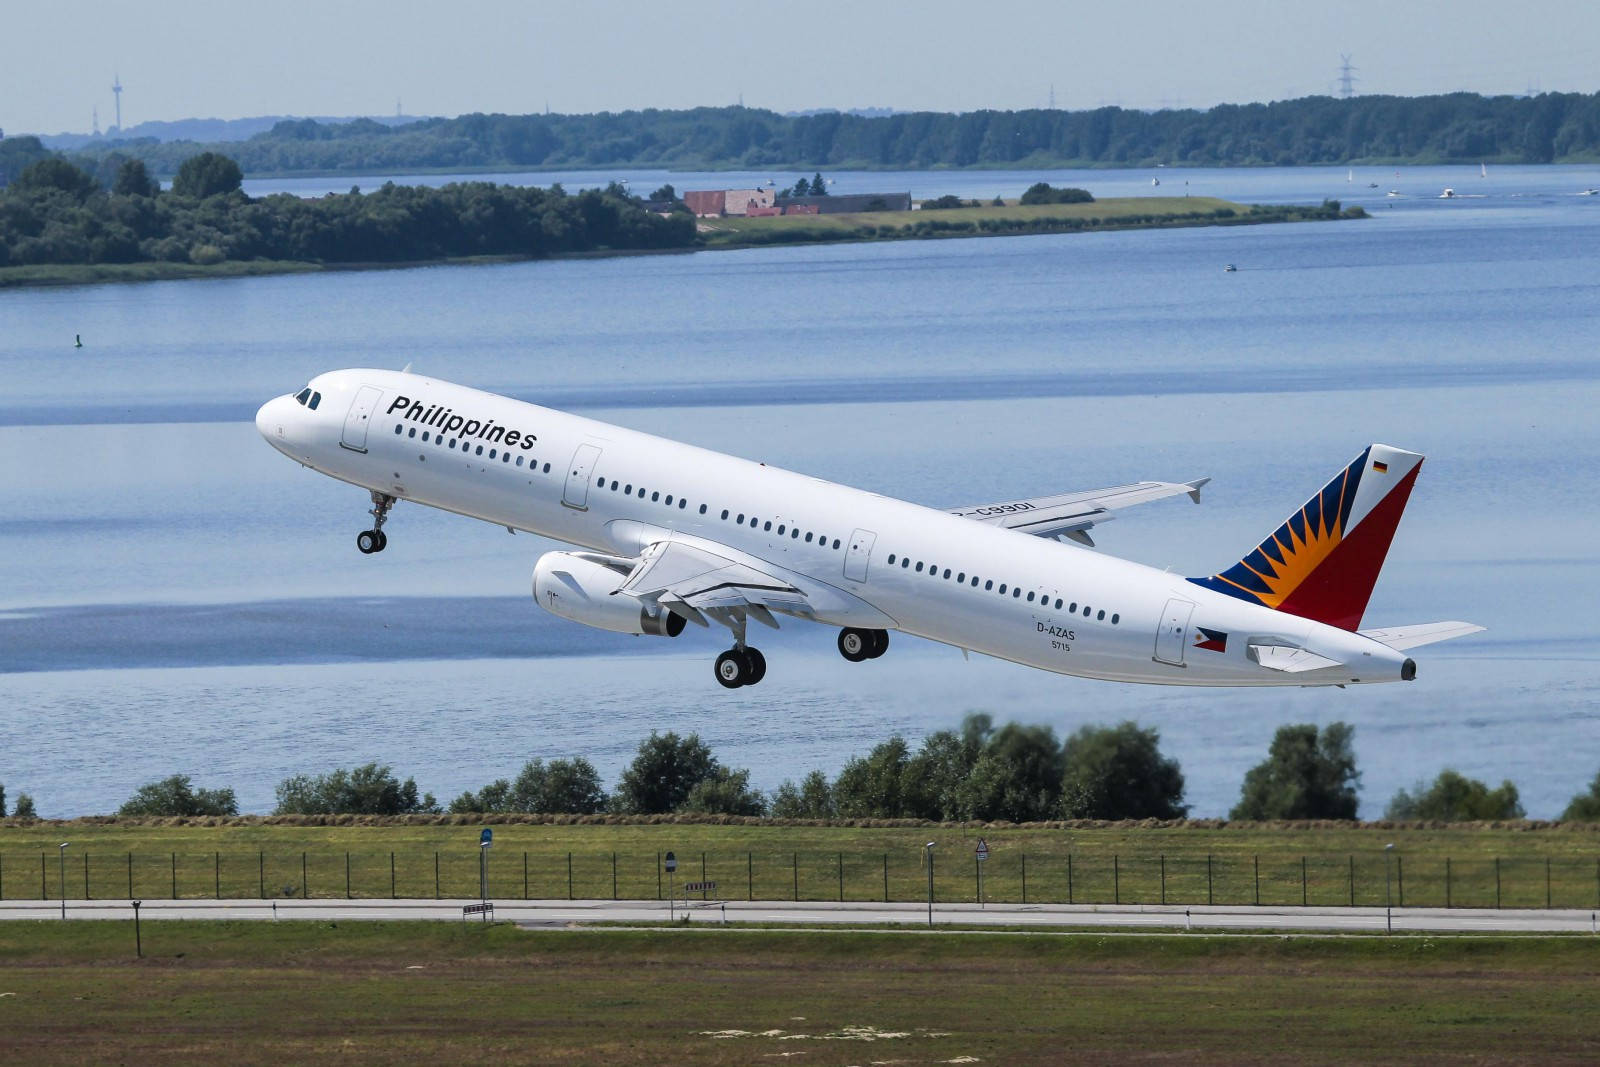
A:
(316, 398)
(303, 395)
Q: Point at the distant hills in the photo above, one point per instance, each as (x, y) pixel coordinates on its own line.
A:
(204, 131)
(1453, 128)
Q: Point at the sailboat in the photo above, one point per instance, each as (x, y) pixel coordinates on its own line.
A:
(1349, 175)
(1483, 170)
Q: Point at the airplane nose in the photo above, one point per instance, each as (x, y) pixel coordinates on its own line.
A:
(271, 420)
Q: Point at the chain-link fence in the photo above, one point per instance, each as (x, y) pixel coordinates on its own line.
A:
(1006, 877)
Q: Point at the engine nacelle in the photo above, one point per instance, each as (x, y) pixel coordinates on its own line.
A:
(579, 590)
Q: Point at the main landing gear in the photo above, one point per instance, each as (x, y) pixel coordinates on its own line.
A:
(741, 666)
(375, 540)
(857, 645)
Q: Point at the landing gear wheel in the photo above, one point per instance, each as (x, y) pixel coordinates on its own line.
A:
(375, 540)
(730, 669)
(880, 643)
(856, 645)
(370, 541)
(741, 666)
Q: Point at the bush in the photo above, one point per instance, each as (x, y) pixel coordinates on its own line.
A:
(175, 796)
(943, 203)
(367, 790)
(206, 255)
(811, 799)
(207, 174)
(1453, 797)
(24, 808)
(1044, 193)
(662, 774)
(1305, 776)
(725, 793)
(1585, 807)
(1119, 773)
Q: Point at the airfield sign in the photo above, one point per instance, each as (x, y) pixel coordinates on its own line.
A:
(983, 850)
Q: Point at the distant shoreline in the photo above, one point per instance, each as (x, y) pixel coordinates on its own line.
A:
(730, 234)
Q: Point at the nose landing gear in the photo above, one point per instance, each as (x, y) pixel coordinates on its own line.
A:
(375, 540)
(857, 645)
(741, 666)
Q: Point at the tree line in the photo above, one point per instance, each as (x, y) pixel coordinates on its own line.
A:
(977, 772)
(57, 212)
(1455, 127)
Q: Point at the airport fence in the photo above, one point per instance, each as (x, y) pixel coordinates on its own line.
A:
(1278, 880)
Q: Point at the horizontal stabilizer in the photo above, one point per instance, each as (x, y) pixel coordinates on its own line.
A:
(1074, 514)
(1291, 659)
(1401, 638)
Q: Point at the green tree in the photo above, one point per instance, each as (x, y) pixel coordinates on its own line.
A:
(370, 789)
(874, 786)
(562, 786)
(2, 800)
(725, 792)
(1585, 807)
(494, 797)
(1453, 797)
(207, 174)
(177, 796)
(1305, 776)
(666, 192)
(818, 186)
(811, 799)
(801, 187)
(56, 173)
(1044, 193)
(1119, 773)
(24, 809)
(936, 774)
(662, 774)
(1017, 777)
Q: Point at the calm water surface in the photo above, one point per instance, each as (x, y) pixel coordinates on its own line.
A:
(176, 597)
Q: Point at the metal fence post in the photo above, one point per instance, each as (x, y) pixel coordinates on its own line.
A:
(1546, 877)
(1116, 880)
(305, 879)
(703, 893)
(174, 876)
(1257, 860)
(1352, 880)
(436, 876)
(1210, 899)
(1400, 877)
(44, 887)
(86, 875)
(569, 876)
(130, 876)
(1303, 896)
(347, 876)
(886, 877)
(524, 874)
(261, 874)
(1024, 877)
(841, 877)
(658, 875)
(391, 874)
(216, 873)
(1447, 881)
(749, 876)
(1069, 878)
(1163, 877)
(613, 876)
(796, 864)
(1497, 883)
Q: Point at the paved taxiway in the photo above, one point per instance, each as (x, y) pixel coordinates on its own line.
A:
(567, 913)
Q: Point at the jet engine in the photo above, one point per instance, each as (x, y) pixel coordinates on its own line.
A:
(579, 589)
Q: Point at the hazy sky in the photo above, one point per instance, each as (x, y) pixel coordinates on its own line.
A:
(225, 59)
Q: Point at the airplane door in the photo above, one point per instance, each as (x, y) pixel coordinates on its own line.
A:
(576, 494)
(858, 554)
(1173, 636)
(359, 417)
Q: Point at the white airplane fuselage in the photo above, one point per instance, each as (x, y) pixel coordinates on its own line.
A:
(863, 560)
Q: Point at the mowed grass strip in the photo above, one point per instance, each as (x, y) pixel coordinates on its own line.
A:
(442, 992)
(1321, 864)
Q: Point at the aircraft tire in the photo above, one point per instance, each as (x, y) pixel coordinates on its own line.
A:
(731, 669)
(367, 542)
(757, 664)
(880, 643)
(855, 645)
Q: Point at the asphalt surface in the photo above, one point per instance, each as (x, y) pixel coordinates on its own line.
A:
(578, 913)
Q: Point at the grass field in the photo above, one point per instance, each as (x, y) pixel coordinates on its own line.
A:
(446, 993)
(1321, 864)
(988, 220)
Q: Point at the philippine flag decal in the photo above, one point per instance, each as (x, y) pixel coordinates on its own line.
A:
(1210, 640)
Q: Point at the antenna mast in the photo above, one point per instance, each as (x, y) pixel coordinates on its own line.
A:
(1347, 78)
(116, 91)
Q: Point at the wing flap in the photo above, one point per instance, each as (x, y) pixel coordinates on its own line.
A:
(1071, 514)
(697, 582)
(1401, 638)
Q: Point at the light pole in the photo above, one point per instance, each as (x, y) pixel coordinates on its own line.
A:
(927, 851)
(138, 943)
(1388, 901)
(62, 852)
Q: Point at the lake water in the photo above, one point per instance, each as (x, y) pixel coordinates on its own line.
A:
(175, 597)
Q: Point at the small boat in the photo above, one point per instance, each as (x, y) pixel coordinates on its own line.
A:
(1590, 192)
(1155, 181)
(1230, 268)
(1372, 185)
(1448, 194)
(1395, 192)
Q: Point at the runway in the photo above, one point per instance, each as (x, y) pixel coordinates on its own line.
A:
(561, 914)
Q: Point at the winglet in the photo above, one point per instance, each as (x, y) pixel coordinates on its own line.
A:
(406, 369)
(1195, 487)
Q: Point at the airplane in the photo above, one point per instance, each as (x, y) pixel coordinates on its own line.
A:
(669, 534)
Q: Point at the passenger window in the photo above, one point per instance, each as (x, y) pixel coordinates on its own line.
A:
(1086, 611)
(891, 559)
(780, 529)
(794, 534)
(682, 503)
(1016, 593)
(1058, 603)
(1100, 615)
(988, 585)
(1002, 588)
(425, 437)
(413, 432)
(974, 581)
(1115, 619)
(919, 566)
(754, 522)
(905, 561)
(519, 461)
(641, 492)
(740, 520)
(808, 540)
(1030, 598)
(962, 577)
(479, 451)
(668, 501)
(702, 509)
(397, 429)
(653, 496)
(947, 572)
(547, 468)
(629, 490)
(836, 543)
(492, 454)
(767, 526)
(1072, 606)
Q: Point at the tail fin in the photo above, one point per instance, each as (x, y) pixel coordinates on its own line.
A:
(1323, 561)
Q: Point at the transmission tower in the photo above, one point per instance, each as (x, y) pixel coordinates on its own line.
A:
(116, 91)
(1347, 79)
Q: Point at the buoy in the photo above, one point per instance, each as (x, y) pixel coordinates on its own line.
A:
(78, 338)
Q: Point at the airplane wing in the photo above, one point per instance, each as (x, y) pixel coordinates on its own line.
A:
(1072, 514)
(1401, 638)
(696, 582)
